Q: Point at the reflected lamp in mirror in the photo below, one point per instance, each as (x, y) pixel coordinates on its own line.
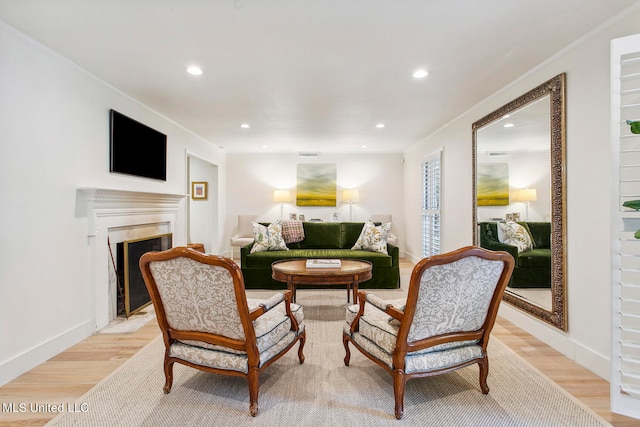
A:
(282, 197)
(352, 196)
(527, 195)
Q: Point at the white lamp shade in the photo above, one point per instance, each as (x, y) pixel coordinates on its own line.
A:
(281, 196)
(527, 195)
(351, 195)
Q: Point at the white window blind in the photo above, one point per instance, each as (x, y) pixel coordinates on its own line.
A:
(625, 359)
(431, 188)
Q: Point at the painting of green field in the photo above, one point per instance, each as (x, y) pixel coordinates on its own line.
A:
(493, 184)
(316, 184)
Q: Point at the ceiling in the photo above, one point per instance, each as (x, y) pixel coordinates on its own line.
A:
(308, 75)
(527, 129)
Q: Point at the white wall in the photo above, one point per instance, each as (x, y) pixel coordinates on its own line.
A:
(54, 138)
(252, 178)
(588, 190)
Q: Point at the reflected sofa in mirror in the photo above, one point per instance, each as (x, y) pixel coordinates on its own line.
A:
(519, 196)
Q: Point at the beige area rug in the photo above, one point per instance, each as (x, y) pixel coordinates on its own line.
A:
(324, 392)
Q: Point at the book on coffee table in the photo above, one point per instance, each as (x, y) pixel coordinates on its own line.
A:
(323, 263)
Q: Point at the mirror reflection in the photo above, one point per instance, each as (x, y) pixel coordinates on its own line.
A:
(514, 185)
(519, 196)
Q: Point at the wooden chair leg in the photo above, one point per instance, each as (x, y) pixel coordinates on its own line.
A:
(347, 357)
(254, 386)
(303, 339)
(398, 391)
(168, 374)
(484, 372)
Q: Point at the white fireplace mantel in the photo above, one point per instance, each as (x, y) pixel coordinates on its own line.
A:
(107, 209)
(95, 203)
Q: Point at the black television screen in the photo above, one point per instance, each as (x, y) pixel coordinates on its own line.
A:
(137, 149)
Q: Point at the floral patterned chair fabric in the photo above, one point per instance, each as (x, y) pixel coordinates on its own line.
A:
(208, 323)
(444, 324)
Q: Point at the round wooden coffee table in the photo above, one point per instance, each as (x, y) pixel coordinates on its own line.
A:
(295, 272)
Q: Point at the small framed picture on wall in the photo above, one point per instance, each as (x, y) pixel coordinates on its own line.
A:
(199, 191)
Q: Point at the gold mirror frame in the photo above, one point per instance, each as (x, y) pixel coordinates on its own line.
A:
(554, 87)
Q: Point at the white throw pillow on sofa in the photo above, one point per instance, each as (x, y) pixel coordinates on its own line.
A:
(373, 238)
(268, 238)
(514, 234)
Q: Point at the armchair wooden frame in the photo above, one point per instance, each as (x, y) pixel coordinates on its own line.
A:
(406, 317)
(247, 316)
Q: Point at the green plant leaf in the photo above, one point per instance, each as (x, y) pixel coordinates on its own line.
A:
(633, 204)
(635, 126)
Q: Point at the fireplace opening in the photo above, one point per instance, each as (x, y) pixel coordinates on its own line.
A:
(134, 296)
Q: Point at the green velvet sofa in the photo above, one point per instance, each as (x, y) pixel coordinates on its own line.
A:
(533, 267)
(322, 240)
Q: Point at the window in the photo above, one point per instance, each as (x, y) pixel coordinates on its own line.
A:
(431, 205)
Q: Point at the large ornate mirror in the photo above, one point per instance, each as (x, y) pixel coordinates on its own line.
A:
(519, 196)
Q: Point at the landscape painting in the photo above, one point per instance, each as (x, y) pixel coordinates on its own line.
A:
(316, 184)
(493, 184)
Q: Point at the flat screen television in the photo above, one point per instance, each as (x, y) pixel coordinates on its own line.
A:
(136, 149)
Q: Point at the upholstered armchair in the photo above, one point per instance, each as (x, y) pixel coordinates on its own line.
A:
(244, 233)
(208, 323)
(444, 324)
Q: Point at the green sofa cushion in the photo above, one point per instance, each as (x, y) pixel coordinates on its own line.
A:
(350, 233)
(535, 258)
(541, 234)
(321, 235)
(265, 259)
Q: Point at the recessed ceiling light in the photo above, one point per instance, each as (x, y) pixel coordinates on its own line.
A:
(509, 125)
(265, 146)
(194, 70)
(363, 146)
(245, 126)
(380, 125)
(420, 74)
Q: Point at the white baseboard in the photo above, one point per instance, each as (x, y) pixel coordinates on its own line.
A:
(29, 359)
(414, 259)
(596, 363)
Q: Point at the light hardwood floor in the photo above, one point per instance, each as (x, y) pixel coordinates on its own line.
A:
(67, 376)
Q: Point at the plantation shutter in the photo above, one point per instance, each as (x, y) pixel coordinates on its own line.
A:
(431, 178)
(625, 354)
